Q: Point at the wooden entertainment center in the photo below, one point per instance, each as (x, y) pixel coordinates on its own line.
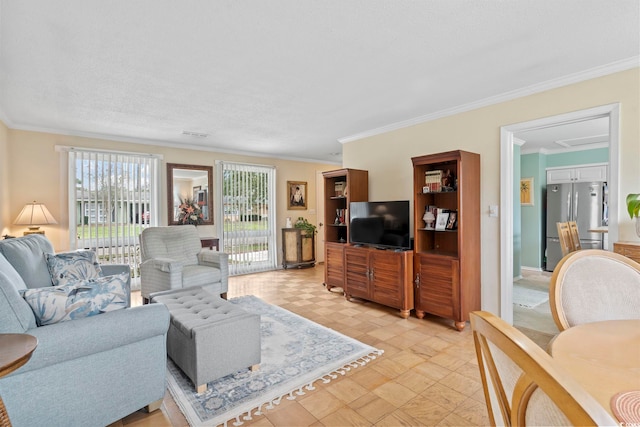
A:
(382, 276)
(441, 275)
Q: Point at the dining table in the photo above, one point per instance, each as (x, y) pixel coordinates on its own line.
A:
(604, 357)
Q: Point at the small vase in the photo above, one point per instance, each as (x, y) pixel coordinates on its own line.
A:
(638, 226)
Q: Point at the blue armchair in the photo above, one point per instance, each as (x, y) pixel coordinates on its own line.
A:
(85, 372)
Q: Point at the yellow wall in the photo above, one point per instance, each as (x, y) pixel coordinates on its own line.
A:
(36, 171)
(387, 157)
(32, 169)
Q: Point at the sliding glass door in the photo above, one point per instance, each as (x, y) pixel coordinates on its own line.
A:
(248, 216)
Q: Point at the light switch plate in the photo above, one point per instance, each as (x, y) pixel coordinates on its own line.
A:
(493, 211)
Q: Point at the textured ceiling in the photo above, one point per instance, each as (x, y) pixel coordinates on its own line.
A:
(287, 78)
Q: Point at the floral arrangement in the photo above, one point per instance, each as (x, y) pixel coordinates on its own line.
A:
(190, 212)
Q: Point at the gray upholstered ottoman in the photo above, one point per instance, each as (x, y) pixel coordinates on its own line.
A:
(209, 337)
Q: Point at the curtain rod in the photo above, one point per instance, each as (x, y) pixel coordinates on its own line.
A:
(67, 148)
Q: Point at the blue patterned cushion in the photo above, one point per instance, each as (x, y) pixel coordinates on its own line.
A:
(69, 267)
(82, 298)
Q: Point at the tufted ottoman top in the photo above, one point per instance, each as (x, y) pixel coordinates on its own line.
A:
(191, 308)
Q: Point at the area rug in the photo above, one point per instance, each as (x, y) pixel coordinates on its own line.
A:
(529, 298)
(296, 353)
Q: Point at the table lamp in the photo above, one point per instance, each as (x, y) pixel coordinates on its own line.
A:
(428, 218)
(34, 215)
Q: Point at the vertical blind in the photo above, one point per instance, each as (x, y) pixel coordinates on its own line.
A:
(112, 197)
(248, 216)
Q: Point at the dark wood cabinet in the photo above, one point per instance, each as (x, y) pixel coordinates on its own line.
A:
(298, 248)
(341, 187)
(447, 261)
(382, 276)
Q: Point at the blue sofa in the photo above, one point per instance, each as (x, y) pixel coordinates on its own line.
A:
(84, 372)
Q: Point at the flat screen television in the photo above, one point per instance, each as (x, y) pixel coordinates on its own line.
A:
(384, 225)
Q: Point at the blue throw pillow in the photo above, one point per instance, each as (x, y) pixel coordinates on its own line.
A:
(79, 299)
(69, 267)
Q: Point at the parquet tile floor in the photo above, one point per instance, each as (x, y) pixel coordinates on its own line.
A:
(428, 375)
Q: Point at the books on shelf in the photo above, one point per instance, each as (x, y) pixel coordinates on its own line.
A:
(432, 181)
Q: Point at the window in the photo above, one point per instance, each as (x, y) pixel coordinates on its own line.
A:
(112, 197)
(248, 216)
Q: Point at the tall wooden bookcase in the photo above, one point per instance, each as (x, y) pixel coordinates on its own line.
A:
(341, 187)
(447, 262)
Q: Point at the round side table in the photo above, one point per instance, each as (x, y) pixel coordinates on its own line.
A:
(15, 351)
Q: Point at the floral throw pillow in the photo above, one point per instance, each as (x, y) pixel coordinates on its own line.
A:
(79, 299)
(69, 267)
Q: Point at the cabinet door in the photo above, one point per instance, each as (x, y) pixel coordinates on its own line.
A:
(387, 278)
(591, 173)
(559, 176)
(577, 174)
(290, 246)
(438, 291)
(356, 273)
(334, 265)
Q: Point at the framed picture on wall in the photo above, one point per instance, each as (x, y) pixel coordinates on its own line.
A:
(297, 191)
(526, 191)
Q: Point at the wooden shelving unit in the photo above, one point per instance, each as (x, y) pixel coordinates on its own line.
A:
(447, 262)
(341, 187)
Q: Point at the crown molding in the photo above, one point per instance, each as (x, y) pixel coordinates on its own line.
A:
(592, 73)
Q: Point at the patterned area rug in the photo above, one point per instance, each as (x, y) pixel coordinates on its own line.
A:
(296, 352)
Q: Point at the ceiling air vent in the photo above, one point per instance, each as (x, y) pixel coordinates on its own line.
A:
(195, 134)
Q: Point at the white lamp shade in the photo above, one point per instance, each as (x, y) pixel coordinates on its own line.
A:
(35, 214)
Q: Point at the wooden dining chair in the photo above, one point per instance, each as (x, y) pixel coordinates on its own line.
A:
(522, 383)
(575, 236)
(564, 235)
(592, 285)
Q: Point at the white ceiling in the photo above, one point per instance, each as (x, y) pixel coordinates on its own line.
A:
(573, 136)
(290, 78)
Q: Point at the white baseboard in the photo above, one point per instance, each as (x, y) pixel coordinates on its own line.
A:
(537, 269)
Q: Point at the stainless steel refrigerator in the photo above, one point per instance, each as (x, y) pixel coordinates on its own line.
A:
(582, 202)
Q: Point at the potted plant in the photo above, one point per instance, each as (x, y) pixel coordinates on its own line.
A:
(633, 207)
(305, 225)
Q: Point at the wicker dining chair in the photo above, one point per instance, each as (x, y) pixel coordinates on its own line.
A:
(522, 383)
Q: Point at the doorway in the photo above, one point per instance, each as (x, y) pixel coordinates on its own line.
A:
(507, 179)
